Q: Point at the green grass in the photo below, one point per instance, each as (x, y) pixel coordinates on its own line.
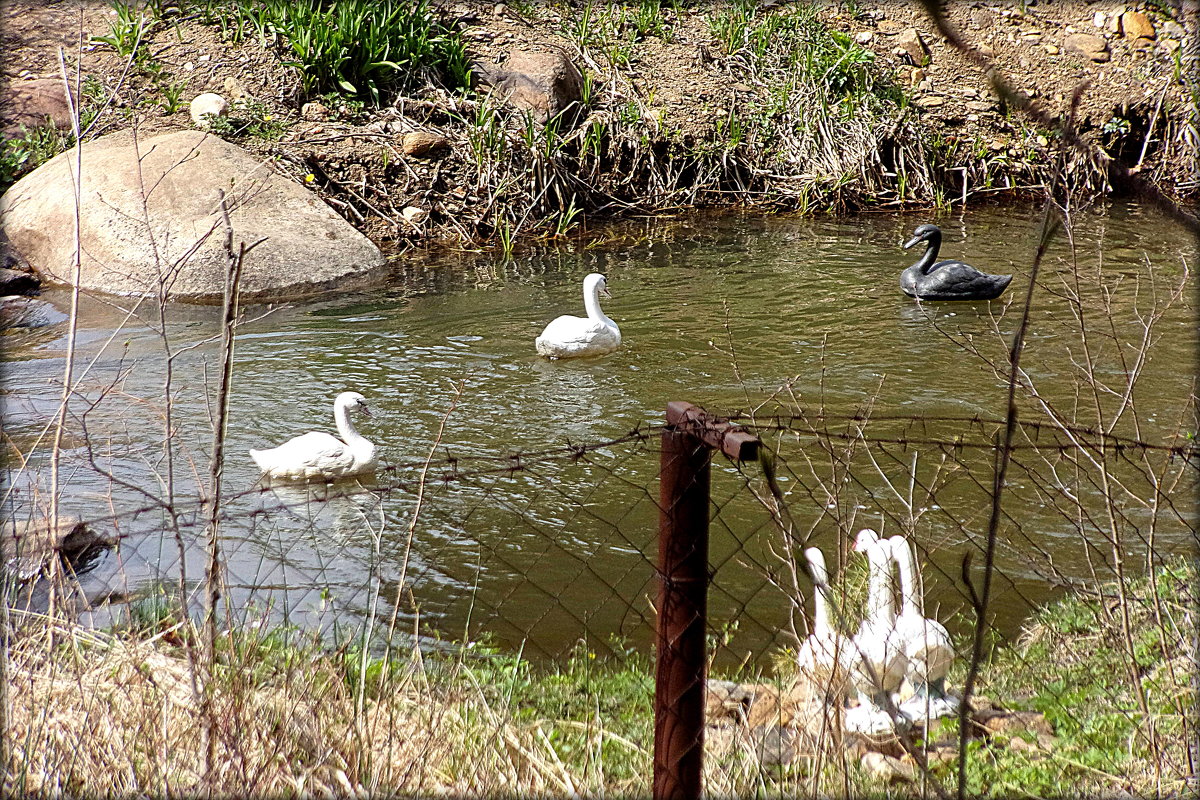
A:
(127, 29)
(22, 154)
(369, 50)
(1073, 666)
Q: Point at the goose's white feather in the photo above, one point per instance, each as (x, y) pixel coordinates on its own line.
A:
(570, 337)
(926, 642)
(881, 664)
(319, 456)
(826, 656)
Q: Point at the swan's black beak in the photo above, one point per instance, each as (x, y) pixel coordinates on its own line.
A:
(912, 241)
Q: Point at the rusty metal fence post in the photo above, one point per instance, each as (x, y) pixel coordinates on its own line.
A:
(687, 444)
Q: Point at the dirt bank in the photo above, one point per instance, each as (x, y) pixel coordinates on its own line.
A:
(687, 104)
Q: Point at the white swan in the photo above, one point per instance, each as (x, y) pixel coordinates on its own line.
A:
(595, 334)
(319, 456)
(826, 656)
(880, 662)
(927, 644)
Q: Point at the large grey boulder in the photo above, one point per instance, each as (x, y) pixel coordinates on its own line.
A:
(173, 244)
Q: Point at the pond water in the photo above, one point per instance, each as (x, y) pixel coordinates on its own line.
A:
(721, 311)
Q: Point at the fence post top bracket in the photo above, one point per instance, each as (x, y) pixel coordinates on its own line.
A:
(715, 432)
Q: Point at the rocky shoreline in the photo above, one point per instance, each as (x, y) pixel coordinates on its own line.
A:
(603, 111)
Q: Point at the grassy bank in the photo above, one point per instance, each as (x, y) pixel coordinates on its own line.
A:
(119, 713)
(684, 104)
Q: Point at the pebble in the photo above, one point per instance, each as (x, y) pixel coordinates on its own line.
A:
(1052, 49)
(314, 111)
(863, 37)
(500, 9)
(189, 66)
(205, 106)
(414, 216)
(1098, 19)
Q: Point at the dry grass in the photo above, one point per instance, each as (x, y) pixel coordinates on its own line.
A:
(104, 715)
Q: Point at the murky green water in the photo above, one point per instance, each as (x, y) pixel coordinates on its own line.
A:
(720, 311)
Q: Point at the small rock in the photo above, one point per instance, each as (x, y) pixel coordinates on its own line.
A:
(205, 57)
(1088, 45)
(981, 702)
(1019, 745)
(29, 545)
(18, 311)
(234, 89)
(1052, 49)
(916, 77)
(775, 744)
(1173, 29)
(1098, 19)
(910, 44)
(188, 66)
(545, 83)
(15, 281)
(1113, 24)
(33, 103)
(997, 145)
(209, 104)
(864, 37)
(979, 105)
(414, 216)
(986, 50)
(925, 86)
(314, 111)
(1170, 45)
(420, 144)
(941, 754)
(500, 9)
(1136, 25)
(887, 769)
(932, 101)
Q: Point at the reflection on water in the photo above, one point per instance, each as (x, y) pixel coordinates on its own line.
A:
(731, 312)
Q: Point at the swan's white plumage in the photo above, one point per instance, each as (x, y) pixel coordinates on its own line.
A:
(570, 337)
(880, 661)
(826, 656)
(319, 456)
(926, 642)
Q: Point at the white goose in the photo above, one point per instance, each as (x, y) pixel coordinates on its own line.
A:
(880, 662)
(826, 656)
(319, 456)
(926, 642)
(595, 334)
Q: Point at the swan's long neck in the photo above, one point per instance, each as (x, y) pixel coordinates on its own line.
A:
(910, 605)
(591, 302)
(933, 244)
(349, 434)
(880, 607)
(822, 619)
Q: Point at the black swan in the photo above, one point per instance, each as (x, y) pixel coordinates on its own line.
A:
(946, 280)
